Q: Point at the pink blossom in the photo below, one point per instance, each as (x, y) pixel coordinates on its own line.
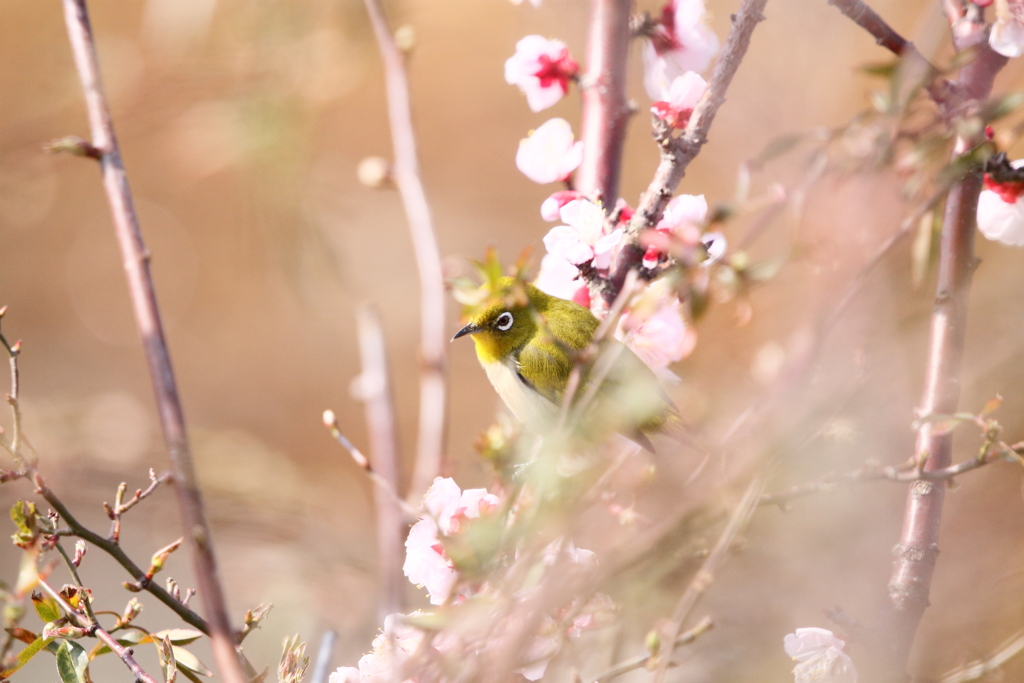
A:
(654, 328)
(445, 507)
(820, 657)
(682, 42)
(558, 277)
(541, 68)
(391, 649)
(1001, 210)
(684, 216)
(549, 154)
(1007, 35)
(680, 99)
(583, 238)
(551, 207)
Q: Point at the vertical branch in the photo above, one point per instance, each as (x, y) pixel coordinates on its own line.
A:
(605, 111)
(375, 391)
(433, 398)
(677, 153)
(147, 316)
(917, 549)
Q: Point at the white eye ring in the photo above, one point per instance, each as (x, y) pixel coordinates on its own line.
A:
(504, 321)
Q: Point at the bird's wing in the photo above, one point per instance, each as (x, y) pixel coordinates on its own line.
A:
(545, 368)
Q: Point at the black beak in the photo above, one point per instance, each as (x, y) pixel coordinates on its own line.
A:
(471, 328)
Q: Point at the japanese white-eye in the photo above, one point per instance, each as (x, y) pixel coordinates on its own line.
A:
(527, 349)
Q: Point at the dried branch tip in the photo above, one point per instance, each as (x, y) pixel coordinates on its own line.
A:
(72, 144)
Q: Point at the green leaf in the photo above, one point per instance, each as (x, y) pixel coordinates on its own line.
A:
(881, 69)
(179, 636)
(46, 608)
(167, 663)
(128, 638)
(778, 147)
(189, 662)
(25, 655)
(998, 107)
(189, 675)
(72, 661)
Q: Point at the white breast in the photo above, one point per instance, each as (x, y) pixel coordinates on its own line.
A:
(527, 405)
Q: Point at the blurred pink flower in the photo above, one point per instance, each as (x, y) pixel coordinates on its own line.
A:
(680, 99)
(552, 206)
(549, 154)
(583, 238)
(391, 649)
(654, 328)
(682, 42)
(820, 657)
(684, 216)
(1007, 35)
(541, 68)
(1001, 210)
(558, 277)
(445, 506)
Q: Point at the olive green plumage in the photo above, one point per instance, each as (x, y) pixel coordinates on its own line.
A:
(527, 350)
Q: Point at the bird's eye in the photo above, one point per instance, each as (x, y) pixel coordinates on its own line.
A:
(504, 321)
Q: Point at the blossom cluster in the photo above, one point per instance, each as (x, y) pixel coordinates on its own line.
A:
(819, 657)
(447, 514)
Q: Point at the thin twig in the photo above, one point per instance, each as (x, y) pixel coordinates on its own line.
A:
(917, 548)
(433, 392)
(116, 552)
(605, 110)
(322, 668)
(982, 668)
(918, 65)
(375, 391)
(93, 628)
(120, 507)
(906, 473)
(135, 257)
(12, 398)
(331, 422)
(678, 152)
(640, 661)
(706, 574)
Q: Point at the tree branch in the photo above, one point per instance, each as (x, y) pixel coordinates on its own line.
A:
(147, 316)
(917, 548)
(375, 391)
(919, 66)
(605, 110)
(678, 152)
(433, 392)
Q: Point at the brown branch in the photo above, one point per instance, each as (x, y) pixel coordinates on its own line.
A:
(433, 392)
(375, 391)
(678, 152)
(135, 257)
(917, 548)
(12, 398)
(120, 507)
(605, 110)
(92, 627)
(115, 551)
(906, 473)
(706, 574)
(916, 63)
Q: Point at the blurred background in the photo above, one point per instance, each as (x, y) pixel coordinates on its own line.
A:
(242, 124)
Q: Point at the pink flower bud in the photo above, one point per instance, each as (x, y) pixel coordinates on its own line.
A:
(551, 207)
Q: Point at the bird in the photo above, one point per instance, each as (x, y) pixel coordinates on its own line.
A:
(527, 345)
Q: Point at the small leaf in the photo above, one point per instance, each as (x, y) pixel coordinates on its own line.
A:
(72, 661)
(998, 107)
(25, 655)
(167, 664)
(881, 69)
(128, 638)
(992, 405)
(777, 147)
(189, 662)
(46, 607)
(179, 636)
